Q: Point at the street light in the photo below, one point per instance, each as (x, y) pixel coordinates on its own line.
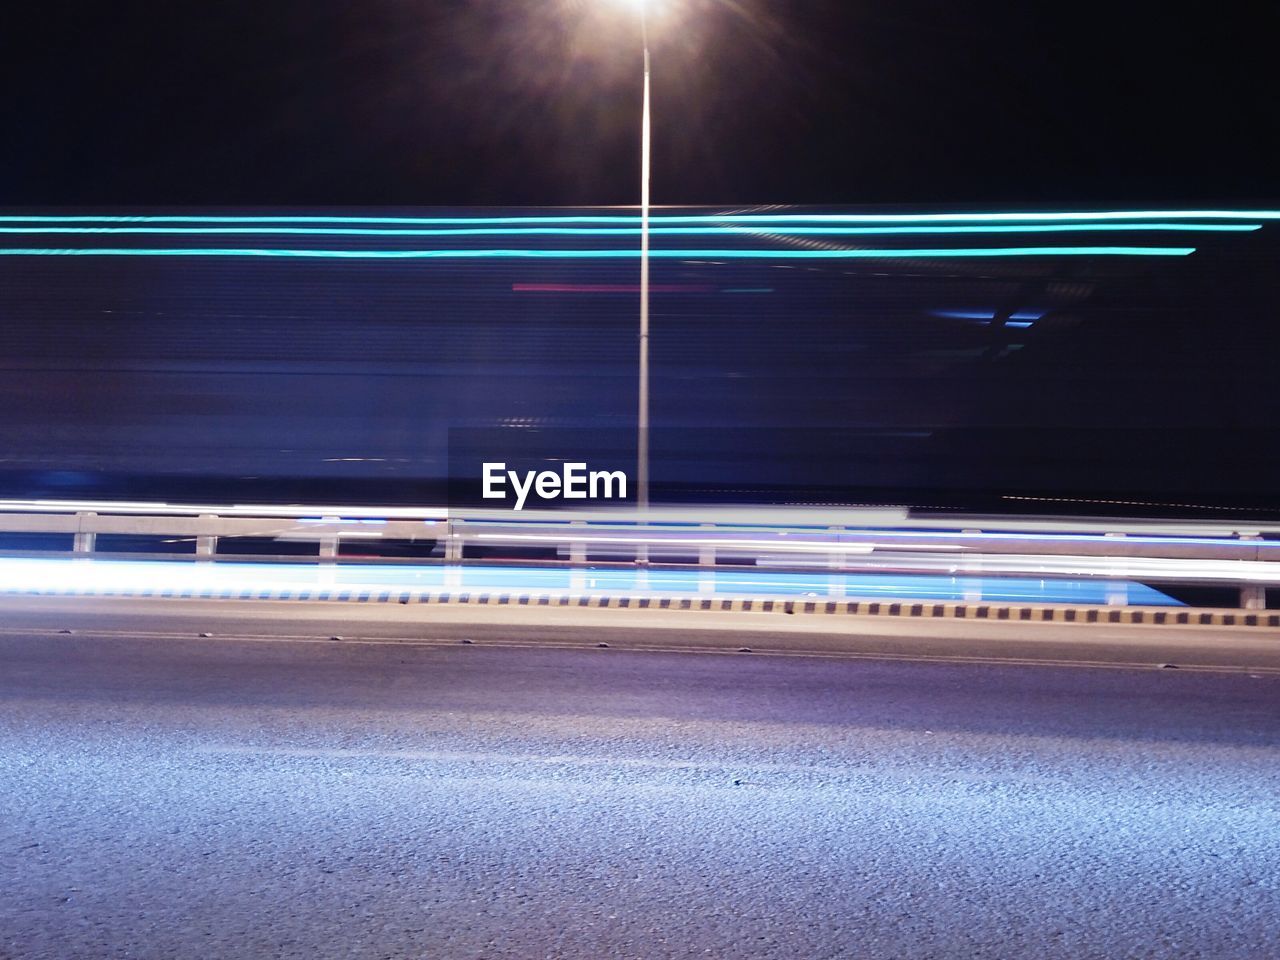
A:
(642, 419)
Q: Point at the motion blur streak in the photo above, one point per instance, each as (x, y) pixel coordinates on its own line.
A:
(302, 581)
(885, 254)
(611, 288)
(345, 375)
(701, 218)
(732, 229)
(889, 523)
(228, 510)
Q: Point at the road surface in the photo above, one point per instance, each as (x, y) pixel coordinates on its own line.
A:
(185, 797)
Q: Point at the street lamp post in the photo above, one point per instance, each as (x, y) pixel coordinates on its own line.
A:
(642, 419)
(642, 413)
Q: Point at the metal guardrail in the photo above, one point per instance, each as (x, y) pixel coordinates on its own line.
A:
(888, 540)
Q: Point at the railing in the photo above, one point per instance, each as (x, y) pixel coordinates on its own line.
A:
(1243, 557)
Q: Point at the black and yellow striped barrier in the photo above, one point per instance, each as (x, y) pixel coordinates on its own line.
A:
(874, 608)
(954, 611)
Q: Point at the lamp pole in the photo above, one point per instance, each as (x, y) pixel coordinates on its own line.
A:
(642, 420)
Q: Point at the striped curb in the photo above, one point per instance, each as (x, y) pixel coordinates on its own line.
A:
(909, 609)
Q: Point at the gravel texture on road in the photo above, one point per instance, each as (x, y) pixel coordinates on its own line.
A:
(225, 798)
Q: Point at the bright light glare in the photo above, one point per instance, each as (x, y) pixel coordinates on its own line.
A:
(371, 582)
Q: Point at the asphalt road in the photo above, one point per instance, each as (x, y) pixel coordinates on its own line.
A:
(170, 797)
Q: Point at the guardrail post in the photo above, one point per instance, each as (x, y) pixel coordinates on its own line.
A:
(1253, 596)
(835, 560)
(206, 544)
(971, 566)
(454, 575)
(329, 544)
(706, 559)
(707, 553)
(453, 546)
(84, 540)
(1117, 591)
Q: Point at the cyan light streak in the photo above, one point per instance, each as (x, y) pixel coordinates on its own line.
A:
(796, 218)
(885, 254)
(986, 316)
(731, 229)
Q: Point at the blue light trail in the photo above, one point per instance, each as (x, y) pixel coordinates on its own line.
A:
(881, 254)
(730, 229)
(886, 218)
(353, 581)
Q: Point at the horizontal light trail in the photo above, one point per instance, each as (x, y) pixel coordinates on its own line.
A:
(668, 540)
(881, 522)
(714, 230)
(612, 288)
(1056, 565)
(1030, 217)
(823, 541)
(160, 508)
(143, 578)
(503, 254)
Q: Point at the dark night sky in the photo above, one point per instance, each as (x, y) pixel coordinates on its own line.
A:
(535, 102)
